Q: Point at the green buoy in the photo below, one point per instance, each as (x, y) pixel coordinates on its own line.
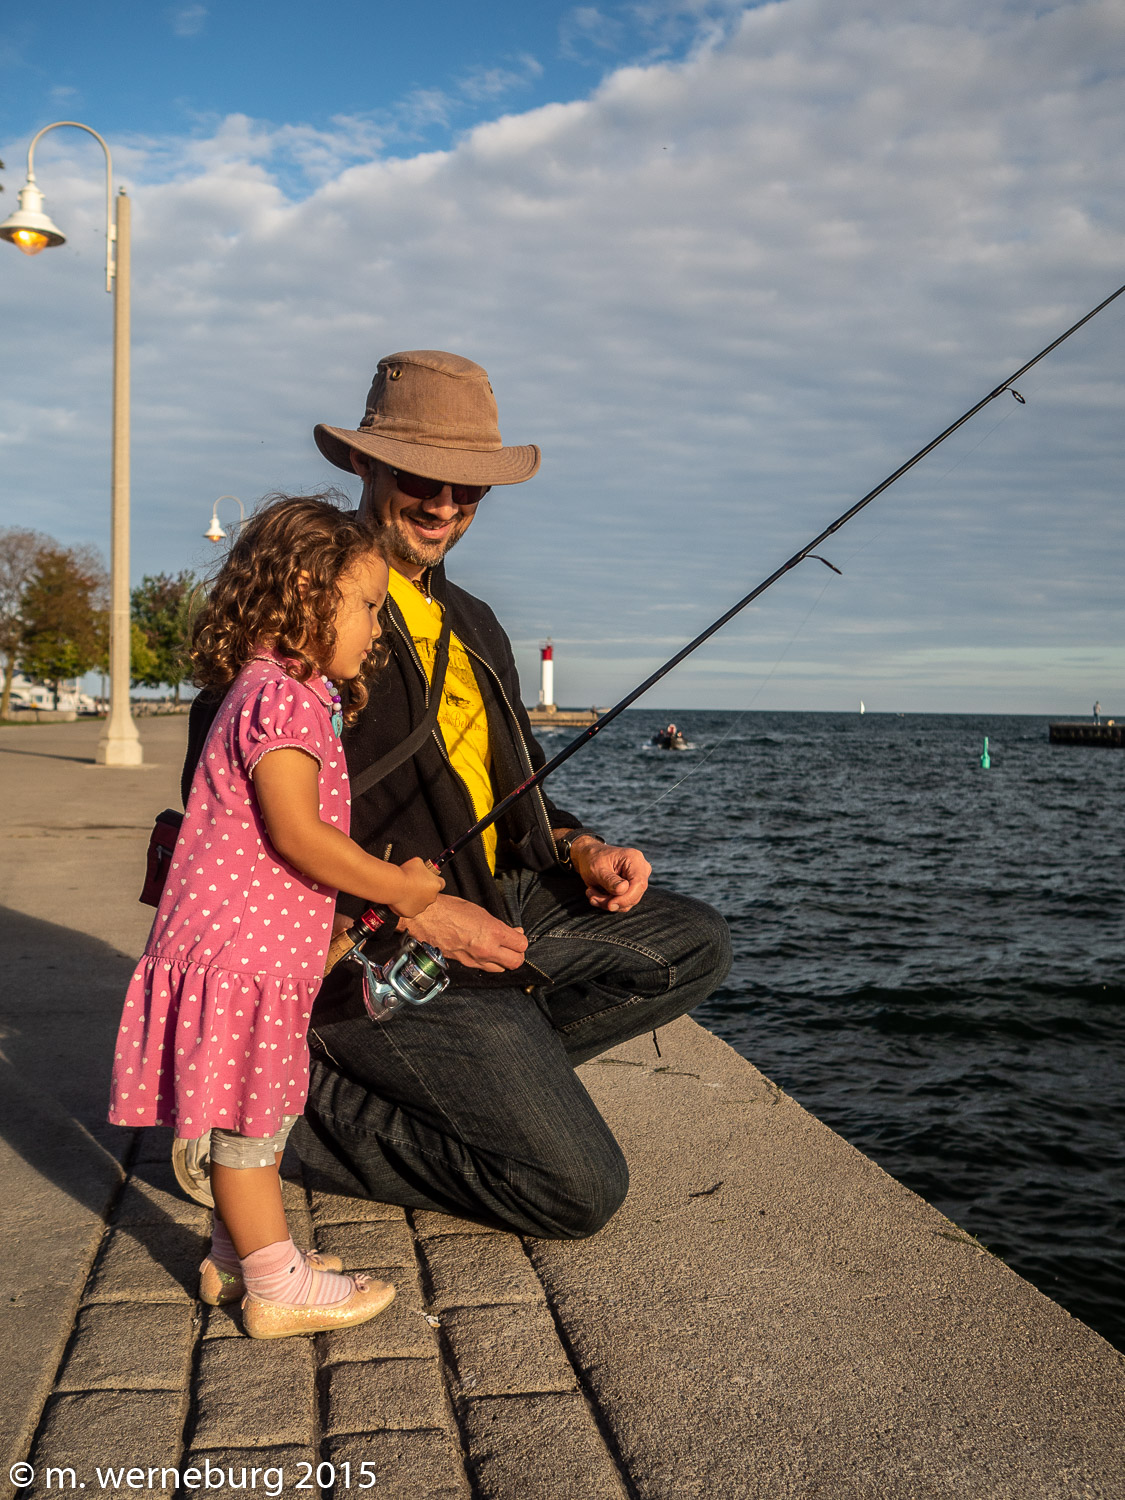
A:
(984, 757)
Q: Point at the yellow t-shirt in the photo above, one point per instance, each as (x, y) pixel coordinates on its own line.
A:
(461, 717)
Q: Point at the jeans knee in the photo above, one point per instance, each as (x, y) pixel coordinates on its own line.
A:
(602, 1198)
(702, 947)
(579, 1193)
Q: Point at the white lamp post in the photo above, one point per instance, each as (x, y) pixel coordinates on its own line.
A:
(215, 532)
(30, 230)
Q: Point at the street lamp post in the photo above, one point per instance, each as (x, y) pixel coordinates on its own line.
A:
(30, 230)
(215, 532)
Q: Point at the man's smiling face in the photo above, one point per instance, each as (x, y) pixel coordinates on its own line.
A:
(417, 533)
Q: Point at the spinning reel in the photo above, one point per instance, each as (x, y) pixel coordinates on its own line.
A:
(415, 974)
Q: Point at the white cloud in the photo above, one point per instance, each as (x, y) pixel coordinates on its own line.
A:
(586, 29)
(188, 20)
(493, 83)
(645, 30)
(726, 296)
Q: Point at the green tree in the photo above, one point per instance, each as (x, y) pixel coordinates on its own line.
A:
(143, 662)
(163, 608)
(63, 608)
(142, 659)
(19, 554)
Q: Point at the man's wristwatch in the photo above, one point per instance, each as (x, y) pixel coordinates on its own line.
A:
(562, 845)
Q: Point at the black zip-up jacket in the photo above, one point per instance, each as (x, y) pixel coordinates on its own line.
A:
(423, 805)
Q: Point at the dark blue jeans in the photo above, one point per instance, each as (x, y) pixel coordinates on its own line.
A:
(470, 1104)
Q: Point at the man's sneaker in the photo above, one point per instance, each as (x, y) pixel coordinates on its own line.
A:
(191, 1162)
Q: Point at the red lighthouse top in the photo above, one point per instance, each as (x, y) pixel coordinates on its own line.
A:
(547, 652)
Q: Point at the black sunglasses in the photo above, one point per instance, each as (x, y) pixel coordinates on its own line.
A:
(420, 488)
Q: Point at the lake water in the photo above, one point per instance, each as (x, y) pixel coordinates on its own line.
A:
(928, 955)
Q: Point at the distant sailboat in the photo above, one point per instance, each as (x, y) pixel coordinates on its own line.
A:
(861, 707)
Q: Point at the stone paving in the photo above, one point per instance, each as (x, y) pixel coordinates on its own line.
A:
(461, 1388)
(768, 1317)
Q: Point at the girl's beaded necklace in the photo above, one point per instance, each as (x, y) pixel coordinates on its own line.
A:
(337, 708)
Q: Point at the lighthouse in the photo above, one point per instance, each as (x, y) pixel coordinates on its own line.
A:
(545, 714)
(547, 675)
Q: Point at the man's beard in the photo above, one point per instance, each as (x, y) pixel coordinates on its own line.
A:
(404, 545)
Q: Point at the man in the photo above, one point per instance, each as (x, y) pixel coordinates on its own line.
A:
(558, 949)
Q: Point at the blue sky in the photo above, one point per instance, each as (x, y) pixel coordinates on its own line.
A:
(728, 265)
(417, 73)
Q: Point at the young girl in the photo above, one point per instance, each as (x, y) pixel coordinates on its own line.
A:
(213, 1033)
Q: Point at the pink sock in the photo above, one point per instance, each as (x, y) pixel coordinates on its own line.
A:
(281, 1273)
(222, 1250)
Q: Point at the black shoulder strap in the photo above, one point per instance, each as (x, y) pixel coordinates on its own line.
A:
(418, 736)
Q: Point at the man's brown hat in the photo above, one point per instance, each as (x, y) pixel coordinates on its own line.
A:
(433, 414)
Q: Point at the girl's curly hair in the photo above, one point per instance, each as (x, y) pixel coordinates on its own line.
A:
(280, 588)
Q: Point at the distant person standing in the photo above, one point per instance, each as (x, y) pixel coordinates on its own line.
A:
(1097, 713)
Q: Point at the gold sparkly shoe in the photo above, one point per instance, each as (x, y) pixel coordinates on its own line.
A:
(280, 1320)
(218, 1287)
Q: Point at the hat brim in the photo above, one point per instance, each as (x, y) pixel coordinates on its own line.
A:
(452, 465)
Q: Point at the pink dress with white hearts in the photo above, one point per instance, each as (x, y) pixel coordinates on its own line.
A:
(214, 1026)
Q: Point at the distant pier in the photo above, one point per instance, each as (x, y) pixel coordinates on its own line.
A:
(1086, 732)
(548, 716)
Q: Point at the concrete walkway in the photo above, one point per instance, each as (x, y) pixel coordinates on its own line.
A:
(769, 1315)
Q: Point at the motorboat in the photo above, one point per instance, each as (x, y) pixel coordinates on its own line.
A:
(669, 738)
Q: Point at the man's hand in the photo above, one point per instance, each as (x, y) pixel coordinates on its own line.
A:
(470, 935)
(615, 878)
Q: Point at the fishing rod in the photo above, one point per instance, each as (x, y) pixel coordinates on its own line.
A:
(418, 972)
(588, 734)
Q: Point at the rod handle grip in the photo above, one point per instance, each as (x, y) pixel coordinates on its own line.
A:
(372, 921)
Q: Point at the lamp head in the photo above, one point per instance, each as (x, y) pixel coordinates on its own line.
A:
(29, 228)
(215, 532)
